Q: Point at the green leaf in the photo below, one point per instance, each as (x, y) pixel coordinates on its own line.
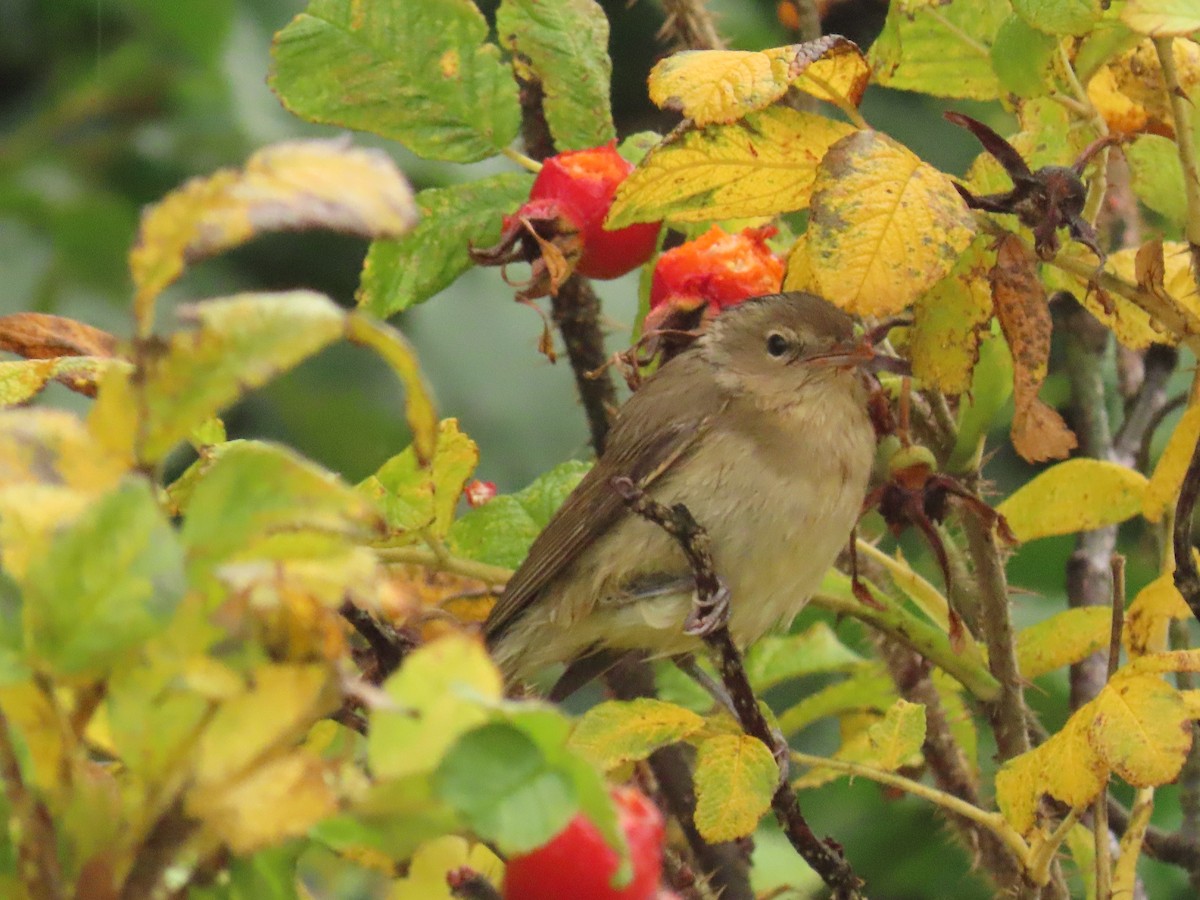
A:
(616, 731)
(1023, 58)
(109, 581)
(778, 658)
(1158, 176)
(564, 45)
(417, 71)
(867, 689)
(402, 273)
(267, 875)
(736, 776)
(255, 490)
(500, 781)
(415, 497)
(500, 532)
(392, 817)
(940, 49)
(991, 386)
(12, 638)
(439, 693)
(1059, 16)
(237, 343)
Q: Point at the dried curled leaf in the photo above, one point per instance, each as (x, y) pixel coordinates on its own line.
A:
(43, 336)
(1038, 432)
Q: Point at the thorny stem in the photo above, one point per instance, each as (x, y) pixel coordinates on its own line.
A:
(576, 312)
(825, 857)
(1181, 111)
(158, 852)
(1187, 577)
(950, 767)
(1008, 713)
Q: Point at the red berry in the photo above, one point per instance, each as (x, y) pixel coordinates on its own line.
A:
(479, 492)
(578, 864)
(584, 183)
(717, 269)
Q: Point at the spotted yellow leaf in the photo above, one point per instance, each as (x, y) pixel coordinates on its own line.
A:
(618, 731)
(884, 227)
(736, 776)
(711, 86)
(1142, 728)
(1076, 495)
(949, 320)
(1067, 767)
(1063, 639)
(889, 742)
(1150, 614)
(761, 165)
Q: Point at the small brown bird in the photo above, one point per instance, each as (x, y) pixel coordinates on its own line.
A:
(761, 429)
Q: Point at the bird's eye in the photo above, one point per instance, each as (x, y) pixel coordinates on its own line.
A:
(777, 344)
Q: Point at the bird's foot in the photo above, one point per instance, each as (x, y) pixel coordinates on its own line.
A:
(709, 613)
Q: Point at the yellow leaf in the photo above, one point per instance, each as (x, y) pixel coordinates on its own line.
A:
(711, 86)
(289, 186)
(276, 710)
(33, 720)
(736, 776)
(617, 732)
(1161, 17)
(1129, 91)
(887, 743)
(1076, 495)
(1163, 490)
(949, 320)
(761, 165)
(1151, 612)
(53, 447)
(870, 197)
(279, 799)
(1066, 767)
(799, 276)
(1018, 789)
(1063, 639)
(1142, 728)
(433, 860)
(439, 694)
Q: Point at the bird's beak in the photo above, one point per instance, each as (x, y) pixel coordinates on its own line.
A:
(863, 353)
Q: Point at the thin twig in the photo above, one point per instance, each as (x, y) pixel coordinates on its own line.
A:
(495, 576)
(690, 26)
(825, 857)
(576, 312)
(37, 847)
(157, 852)
(1187, 577)
(1100, 830)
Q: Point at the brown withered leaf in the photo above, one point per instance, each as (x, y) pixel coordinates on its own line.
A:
(1038, 432)
(1150, 268)
(43, 336)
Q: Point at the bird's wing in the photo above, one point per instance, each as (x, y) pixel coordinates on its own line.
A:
(638, 448)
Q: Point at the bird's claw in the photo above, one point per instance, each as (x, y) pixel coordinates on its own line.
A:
(709, 613)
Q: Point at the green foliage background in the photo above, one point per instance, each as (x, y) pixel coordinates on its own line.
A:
(105, 105)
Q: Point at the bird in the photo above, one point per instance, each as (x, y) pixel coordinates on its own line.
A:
(761, 429)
